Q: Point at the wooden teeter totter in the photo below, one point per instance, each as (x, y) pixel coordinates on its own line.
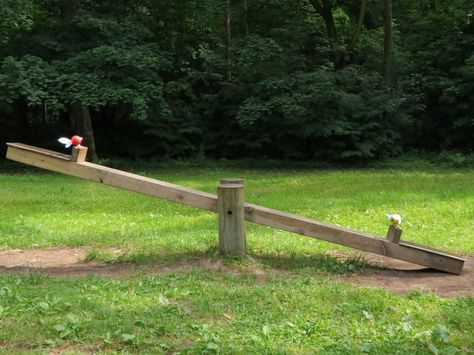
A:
(230, 205)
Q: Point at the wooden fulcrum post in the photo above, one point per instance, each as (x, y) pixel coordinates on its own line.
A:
(230, 207)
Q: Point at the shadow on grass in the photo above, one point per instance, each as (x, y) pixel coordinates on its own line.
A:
(319, 263)
(122, 262)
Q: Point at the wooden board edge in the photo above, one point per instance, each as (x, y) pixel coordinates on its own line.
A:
(41, 151)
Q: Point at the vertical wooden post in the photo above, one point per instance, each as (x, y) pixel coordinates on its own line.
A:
(78, 154)
(394, 234)
(230, 207)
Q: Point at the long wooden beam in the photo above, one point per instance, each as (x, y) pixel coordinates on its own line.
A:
(405, 251)
(62, 163)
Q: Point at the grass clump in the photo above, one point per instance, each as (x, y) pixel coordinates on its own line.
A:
(202, 311)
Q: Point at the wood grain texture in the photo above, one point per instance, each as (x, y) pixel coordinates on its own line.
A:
(354, 239)
(406, 251)
(394, 234)
(61, 163)
(78, 154)
(41, 151)
(230, 206)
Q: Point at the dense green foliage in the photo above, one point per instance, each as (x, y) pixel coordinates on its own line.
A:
(171, 79)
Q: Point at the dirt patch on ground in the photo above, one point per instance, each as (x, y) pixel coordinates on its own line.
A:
(71, 262)
(400, 277)
(394, 275)
(60, 262)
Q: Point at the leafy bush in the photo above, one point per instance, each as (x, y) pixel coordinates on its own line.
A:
(325, 114)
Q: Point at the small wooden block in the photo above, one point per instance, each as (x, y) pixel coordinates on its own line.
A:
(394, 234)
(78, 154)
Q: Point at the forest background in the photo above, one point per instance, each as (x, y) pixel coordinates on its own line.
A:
(319, 80)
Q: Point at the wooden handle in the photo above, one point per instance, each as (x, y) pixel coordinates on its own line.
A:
(78, 154)
(394, 234)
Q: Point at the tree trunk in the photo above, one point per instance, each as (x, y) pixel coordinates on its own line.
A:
(324, 9)
(360, 23)
(227, 39)
(388, 44)
(246, 21)
(79, 114)
(81, 118)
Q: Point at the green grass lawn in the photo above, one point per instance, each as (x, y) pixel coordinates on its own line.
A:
(300, 310)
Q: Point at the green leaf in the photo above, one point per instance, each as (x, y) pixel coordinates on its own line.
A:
(43, 305)
(366, 348)
(443, 333)
(72, 318)
(140, 323)
(433, 348)
(59, 327)
(163, 300)
(165, 346)
(368, 315)
(128, 337)
(212, 346)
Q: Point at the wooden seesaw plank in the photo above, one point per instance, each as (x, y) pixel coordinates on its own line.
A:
(405, 251)
(58, 162)
(61, 163)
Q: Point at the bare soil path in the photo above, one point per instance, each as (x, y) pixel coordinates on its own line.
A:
(396, 276)
(401, 277)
